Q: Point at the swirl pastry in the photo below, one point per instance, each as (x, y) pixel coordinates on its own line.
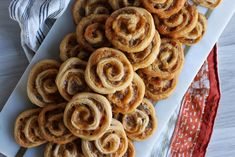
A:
(130, 150)
(72, 149)
(178, 24)
(142, 123)
(41, 86)
(169, 60)
(126, 101)
(83, 8)
(157, 88)
(108, 70)
(52, 126)
(70, 79)
(117, 4)
(70, 48)
(145, 58)
(197, 33)
(27, 133)
(88, 115)
(211, 4)
(163, 8)
(130, 29)
(113, 143)
(91, 32)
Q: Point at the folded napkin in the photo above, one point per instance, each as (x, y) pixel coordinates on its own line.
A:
(35, 18)
(190, 127)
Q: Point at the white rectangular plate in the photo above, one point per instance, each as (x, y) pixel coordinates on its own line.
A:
(194, 58)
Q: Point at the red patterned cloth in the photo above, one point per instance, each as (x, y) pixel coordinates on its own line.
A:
(197, 113)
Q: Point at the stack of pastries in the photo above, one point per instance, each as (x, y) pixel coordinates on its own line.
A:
(98, 99)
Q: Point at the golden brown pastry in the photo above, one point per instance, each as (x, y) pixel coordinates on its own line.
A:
(41, 86)
(157, 88)
(169, 60)
(72, 149)
(142, 123)
(130, 150)
(178, 24)
(211, 4)
(70, 48)
(91, 32)
(113, 143)
(70, 79)
(130, 29)
(51, 124)
(27, 133)
(126, 101)
(197, 33)
(83, 8)
(117, 4)
(88, 115)
(163, 8)
(108, 70)
(145, 58)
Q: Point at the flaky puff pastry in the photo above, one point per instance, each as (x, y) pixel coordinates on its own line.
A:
(142, 123)
(70, 48)
(117, 4)
(88, 115)
(197, 33)
(169, 60)
(146, 57)
(26, 131)
(211, 4)
(126, 101)
(71, 149)
(178, 24)
(70, 79)
(157, 88)
(52, 126)
(130, 29)
(163, 8)
(41, 86)
(113, 143)
(83, 8)
(108, 70)
(91, 32)
(130, 150)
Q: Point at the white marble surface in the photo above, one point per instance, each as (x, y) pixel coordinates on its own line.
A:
(13, 62)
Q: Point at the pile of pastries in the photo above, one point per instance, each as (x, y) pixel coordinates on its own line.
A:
(124, 56)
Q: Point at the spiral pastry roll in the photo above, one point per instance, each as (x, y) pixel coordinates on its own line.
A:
(88, 115)
(163, 8)
(145, 58)
(27, 133)
(178, 24)
(157, 88)
(113, 143)
(70, 79)
(83, 8)
(52, 126)
(130, 29)
(142, 123)
(70, 48)
(169, 60)
(41, 86)
(117, 4)
(91, 32)
(130, 150)
(108, 70)
(211, 4)
(197, 33)
(71, 149)
(126, 101)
